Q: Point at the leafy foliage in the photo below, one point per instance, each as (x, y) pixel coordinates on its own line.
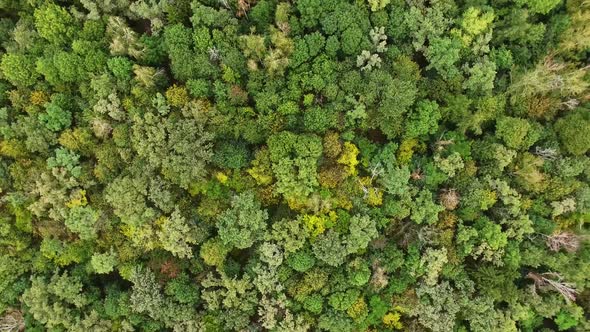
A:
(242, 224)
(309, 165)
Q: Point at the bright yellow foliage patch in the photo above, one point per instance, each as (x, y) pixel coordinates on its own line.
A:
(348, 157)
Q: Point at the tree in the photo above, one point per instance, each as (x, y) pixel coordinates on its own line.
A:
(65, 160)
(294, 163)
(423, 120)
(121, 67)
(55, 303)
(378, 4)
(104, 263)
(82, 220)
(54, 23)
(395, 179)
(424, 209)
(234, 295)
(60, 68)
(289, 234)
(292, 166)
(180, 148)
(342, 301)
(434, 260)
(451, 164)
(569, 128)
(56, 118)
(127, 196)
(232, 155)
(124, 41)
(330, 248)
(19, 69)
(243, 223)
(539, 6)
(438, 306)
(176, 235)
(146, 294)
(481, 77)
(516, 133)
(443, 53)
(177, 96)
(548, 77)
(182, 289)
(474, 22)
(485, 241)
(351, 39)
(423, 24)
(396, 102)
(362, 231)
(301, 261)
(213, 252)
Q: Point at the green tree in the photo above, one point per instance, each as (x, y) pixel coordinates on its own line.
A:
(55, 303)
(378, 4)
(243, 223)
(294, 163)
(182, 289)
(516, 133)
(400, 96)
(177, 40)
(539, 6)
(569, 129)
(330, 248)
(19, 69)
(438, 306)
(213, 252)
(54, 23)
(362, 231)
(55, 117)
(146, 294)
(176, 235)
(82, 220)
(180, 148)
(66, 160)
(104, 263)
(443, 54)
(127, 196)
(424, 209)
(121, 67)
(481, 77)
(424, 120)
(232, 155)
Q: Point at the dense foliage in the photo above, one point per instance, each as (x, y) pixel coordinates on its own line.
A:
(308, 165)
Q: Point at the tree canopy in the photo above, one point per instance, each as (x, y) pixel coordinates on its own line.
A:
(291, 166)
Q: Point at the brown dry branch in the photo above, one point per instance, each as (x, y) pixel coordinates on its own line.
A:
(555, 281)
(566, 240)
(12, 321)
(170, 269)
(417, 175)
(449, 198)
(441, 144)
(546, 153)
(379, 279)
(243, 8)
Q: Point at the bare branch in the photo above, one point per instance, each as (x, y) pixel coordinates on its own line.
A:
(566, 240)
(555, 281)
(546, 153)
(12, 322)
(571, 103)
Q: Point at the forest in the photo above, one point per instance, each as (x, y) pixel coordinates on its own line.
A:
(294, 165)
